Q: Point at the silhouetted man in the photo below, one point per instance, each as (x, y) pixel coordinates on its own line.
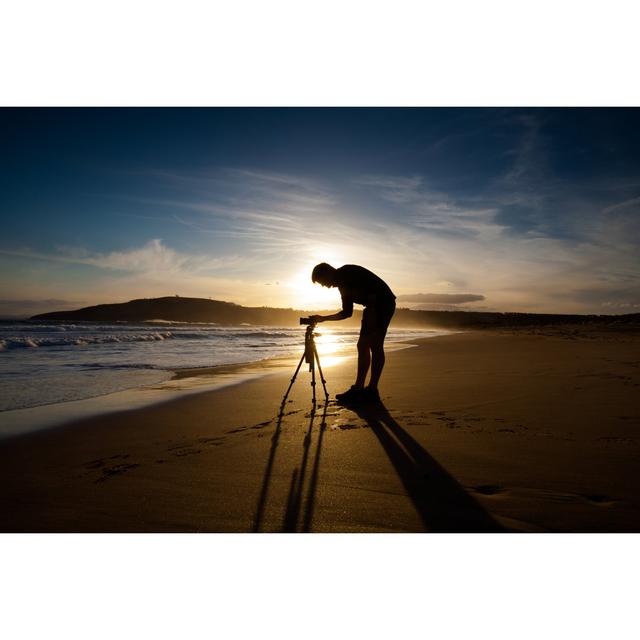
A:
(360, 286)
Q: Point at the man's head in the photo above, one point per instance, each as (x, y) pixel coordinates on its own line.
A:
(325, 274)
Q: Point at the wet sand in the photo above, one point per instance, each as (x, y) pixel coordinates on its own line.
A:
(478, 432)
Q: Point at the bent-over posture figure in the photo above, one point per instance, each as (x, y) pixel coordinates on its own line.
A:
(360, 286)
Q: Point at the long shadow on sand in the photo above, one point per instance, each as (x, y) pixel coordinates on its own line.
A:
(296, 489)
(294, 499)
(443, 505)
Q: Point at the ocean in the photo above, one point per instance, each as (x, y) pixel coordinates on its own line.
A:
(43, 364)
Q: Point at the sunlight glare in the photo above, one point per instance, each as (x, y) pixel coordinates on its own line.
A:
(310, 296)
(329, 349)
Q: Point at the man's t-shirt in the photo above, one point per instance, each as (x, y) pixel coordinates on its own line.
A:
(360, 286)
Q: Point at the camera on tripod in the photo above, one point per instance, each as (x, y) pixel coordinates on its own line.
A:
(311, 357)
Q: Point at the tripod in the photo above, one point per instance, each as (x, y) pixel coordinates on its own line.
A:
(311, 357)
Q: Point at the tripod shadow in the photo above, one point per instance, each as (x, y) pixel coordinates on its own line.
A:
(442, 504)
(296, 489)
(266, 479)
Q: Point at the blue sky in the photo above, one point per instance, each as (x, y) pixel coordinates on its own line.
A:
(497, 209)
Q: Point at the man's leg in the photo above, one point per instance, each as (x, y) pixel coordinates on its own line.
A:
(364, 360)
(383, 317)
(377, 360)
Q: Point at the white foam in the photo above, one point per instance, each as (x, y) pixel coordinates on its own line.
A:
(17, 342)
(28, 420)
(63, 363)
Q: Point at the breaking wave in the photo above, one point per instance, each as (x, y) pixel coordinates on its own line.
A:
(20, 342)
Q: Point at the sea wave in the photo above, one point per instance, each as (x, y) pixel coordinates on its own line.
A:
(21, 342)
(179, 322)
(258, 334)
(38, 328)
(25, 340)
(108, 366)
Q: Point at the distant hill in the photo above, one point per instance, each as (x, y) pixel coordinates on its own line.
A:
(178, 309)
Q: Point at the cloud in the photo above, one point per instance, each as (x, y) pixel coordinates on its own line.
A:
(22, 308)
(622, 205)
(627, 307)
(529, 241)
(152, 257)
(397, 189)
(445, 307)
(283, 222)
(446, 298)
(428, 209)
(530, 237)
(266, 211)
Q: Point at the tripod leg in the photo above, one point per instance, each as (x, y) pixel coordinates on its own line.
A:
(313, 385)
(324, 382)
(286, 395)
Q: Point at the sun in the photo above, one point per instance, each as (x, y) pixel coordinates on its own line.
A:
(307, 295)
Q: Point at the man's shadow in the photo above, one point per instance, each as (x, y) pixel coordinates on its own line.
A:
(442, 504)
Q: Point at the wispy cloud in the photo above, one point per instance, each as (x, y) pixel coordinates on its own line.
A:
(423, 207)
(447, 298)
(619, 206)
(526, 239)
(272, 224)
(154, 257)
(21, 307)
(265, 210)
(481, 241)
(395, 189)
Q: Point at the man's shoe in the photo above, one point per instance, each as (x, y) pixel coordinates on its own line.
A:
(351, 395)
(371, 395)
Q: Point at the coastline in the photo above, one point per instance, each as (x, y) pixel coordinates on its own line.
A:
(478, 431)
(182, 383)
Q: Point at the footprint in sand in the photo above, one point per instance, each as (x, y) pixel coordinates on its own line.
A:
(186, 451)
(489, 489)
(344, 427)
(116, 470)
(101, 462)
(213, 442)
(237, 430)
(261, 425)
(598, 498)
(608, 440)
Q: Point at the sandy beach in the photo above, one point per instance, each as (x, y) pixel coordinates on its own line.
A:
(527, 431)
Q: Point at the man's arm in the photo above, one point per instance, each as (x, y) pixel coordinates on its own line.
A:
(346, 312)
(341, 315)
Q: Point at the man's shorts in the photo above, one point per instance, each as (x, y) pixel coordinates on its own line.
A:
(376, 318)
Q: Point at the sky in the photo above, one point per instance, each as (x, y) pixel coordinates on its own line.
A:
(530, 210)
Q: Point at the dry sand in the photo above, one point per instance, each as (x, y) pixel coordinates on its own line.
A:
(480, 431)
